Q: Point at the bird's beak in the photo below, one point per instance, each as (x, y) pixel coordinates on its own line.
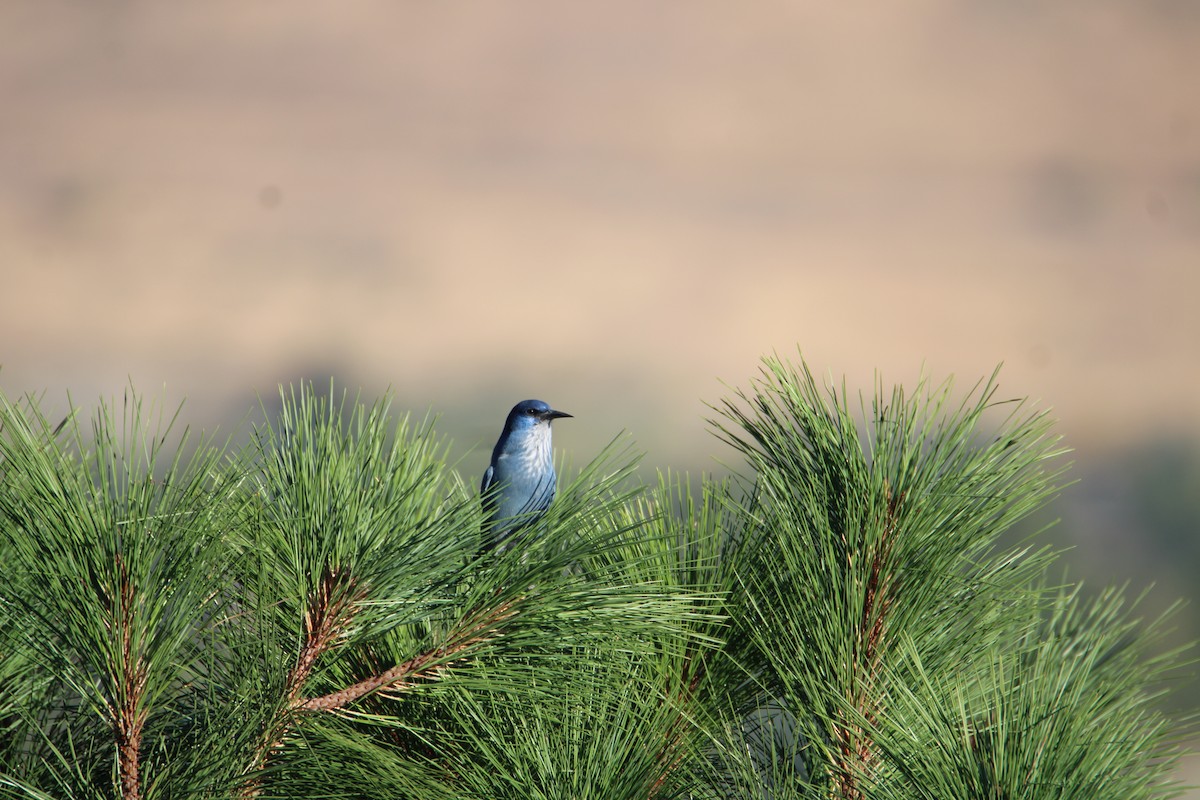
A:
(552, 415)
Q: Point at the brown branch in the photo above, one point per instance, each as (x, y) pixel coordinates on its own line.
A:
(407, 674)
(855, 748)
(689, 683)
(128, 731)
(327, 613)
(130, 715)
(330, 608)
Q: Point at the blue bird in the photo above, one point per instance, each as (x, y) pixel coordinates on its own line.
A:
(519, 484)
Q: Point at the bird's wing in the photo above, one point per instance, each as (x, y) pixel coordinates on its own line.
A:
(487, 479)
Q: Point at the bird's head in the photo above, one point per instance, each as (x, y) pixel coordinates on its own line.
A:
(531, 413)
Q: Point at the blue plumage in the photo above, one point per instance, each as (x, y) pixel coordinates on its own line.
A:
(519, 484)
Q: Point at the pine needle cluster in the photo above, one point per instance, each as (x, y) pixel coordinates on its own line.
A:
(312, 616)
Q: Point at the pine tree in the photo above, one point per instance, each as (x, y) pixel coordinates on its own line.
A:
(313, 616)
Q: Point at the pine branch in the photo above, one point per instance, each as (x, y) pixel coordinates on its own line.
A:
(673, 752)
(113, 562)
(131, 713)
(328, 612)
(855, 749)
(409, 673)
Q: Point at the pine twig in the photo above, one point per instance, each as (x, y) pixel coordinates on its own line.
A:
(130, 715)
(327, 613)
(855, 748)
(406, 675)
(689, 684)
(325, 620)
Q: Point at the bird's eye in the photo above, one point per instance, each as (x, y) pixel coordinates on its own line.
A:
(531, 412)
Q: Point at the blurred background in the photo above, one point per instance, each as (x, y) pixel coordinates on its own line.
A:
(618, 207)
